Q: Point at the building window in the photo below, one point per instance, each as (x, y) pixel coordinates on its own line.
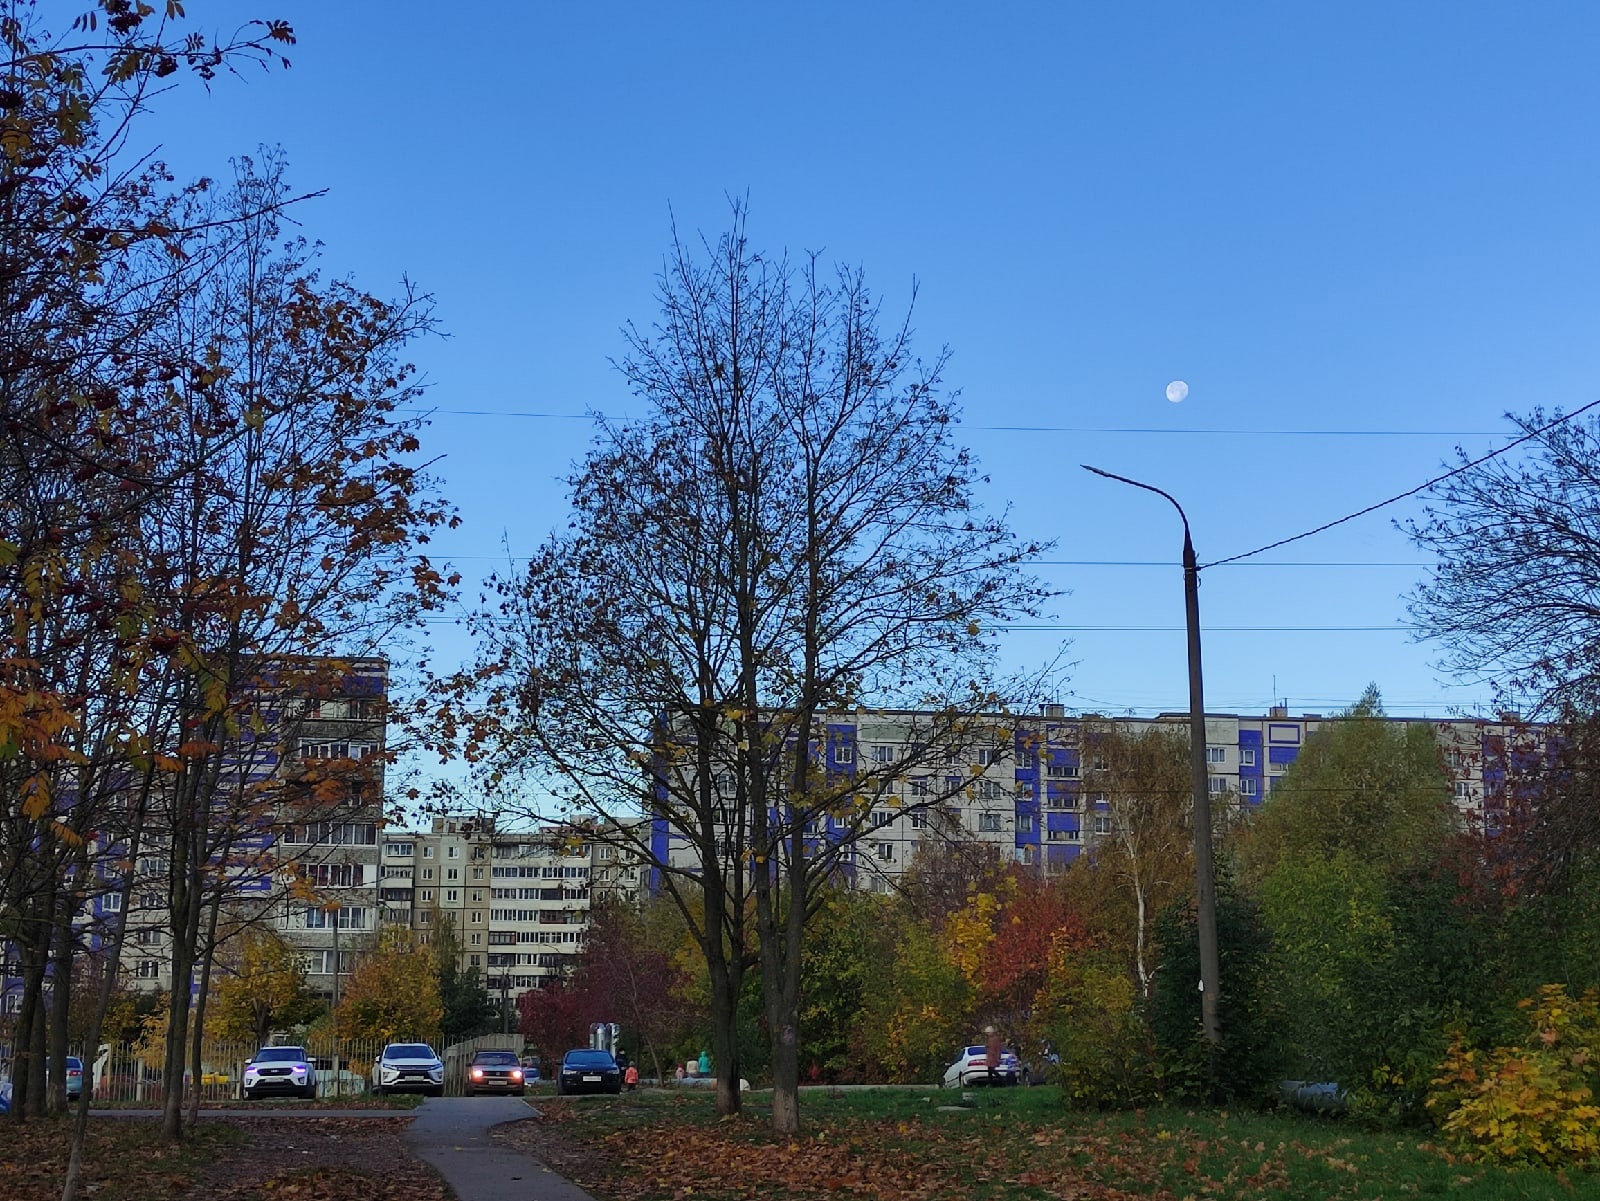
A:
(398, 849)
(452, 852)
(1061, 771)
(1099, 799)
(427, 852)
(451, 896)
(881, 817)
(427, 894)
(452, 873)
(333, 875)
(1102, 823)
(919, 820)
(477, 919)
(1218, 785)
(147, 937)
(1025, 824)
(1061, 800)
(844, 753)
(1247, 786)
(883, 850)
(883, 754)
(988, 756)
(338, 748)
(989, 823)
(353, 917)
(1216, 754)
(1063, 835)
(919, 787)
(111, 903)
(1463, 790)
(1247, 756)
(989, 790)
(149, 969)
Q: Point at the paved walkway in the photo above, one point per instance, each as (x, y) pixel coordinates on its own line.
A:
(452, 1134)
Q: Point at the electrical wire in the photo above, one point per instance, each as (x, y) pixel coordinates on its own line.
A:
(1043, 429)
(1423, 487)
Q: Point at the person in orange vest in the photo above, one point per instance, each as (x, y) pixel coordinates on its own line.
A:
(631, 1077)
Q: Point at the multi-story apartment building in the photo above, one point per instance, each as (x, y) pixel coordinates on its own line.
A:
(1030, 792)
(518, 900)
(437, 879)
(306, 864)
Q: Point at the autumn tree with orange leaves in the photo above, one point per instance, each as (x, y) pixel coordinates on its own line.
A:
(208, 483)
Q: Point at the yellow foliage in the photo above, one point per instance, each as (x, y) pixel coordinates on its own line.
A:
(1533, 1103)
(393, 991)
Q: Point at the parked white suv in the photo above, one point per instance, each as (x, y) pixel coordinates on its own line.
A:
(406, 1067)
(280, 1070)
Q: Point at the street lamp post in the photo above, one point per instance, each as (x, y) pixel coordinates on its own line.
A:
(1205, 885)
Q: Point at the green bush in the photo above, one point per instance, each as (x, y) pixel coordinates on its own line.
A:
(1107, 1055)
(1249, 1062)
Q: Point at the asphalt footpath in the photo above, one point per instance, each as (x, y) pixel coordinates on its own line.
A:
(453, 1135)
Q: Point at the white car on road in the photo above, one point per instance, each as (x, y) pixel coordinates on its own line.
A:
(408, 1067)
(279, 1070)
(971, 1068)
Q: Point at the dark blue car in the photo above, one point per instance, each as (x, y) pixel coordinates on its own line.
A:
(584, 1070)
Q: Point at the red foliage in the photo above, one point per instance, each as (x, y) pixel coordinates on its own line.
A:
(1017, 963)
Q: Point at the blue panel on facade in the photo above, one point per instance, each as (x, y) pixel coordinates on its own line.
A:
(1061, 821)
(1282, 754)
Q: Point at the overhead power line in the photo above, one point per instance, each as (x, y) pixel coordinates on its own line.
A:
(1422, 487)
(1242, 431)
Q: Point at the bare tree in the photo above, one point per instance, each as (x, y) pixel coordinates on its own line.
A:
(790, 536)
(1514, 597)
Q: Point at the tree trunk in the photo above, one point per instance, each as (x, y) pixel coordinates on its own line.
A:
(1139, 942)
(199, 1018)
(70, 1187)
(725, 988)
(60, 1001)
(28, 1015)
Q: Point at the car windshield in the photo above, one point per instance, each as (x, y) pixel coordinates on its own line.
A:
(590, 1059)
(976, 1051)
(495, 1057)
(280, 1055)
(410, 1051)
(74, 1063)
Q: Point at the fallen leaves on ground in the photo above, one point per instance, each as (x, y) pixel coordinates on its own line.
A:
(123, 1160)
(887, 1160)
(254, 1159)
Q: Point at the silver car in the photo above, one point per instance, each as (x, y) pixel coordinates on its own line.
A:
(279, 1070)
(408, 1067)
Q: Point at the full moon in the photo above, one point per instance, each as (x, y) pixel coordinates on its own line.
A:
(1177, 390)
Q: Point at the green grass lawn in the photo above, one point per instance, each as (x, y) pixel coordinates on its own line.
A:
(1014, 1143)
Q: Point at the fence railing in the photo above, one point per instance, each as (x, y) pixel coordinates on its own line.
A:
(130, 1074)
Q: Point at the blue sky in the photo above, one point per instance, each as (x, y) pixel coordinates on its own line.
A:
(1371, 219)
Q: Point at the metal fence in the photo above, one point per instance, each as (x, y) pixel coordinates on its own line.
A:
(130, 1074)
